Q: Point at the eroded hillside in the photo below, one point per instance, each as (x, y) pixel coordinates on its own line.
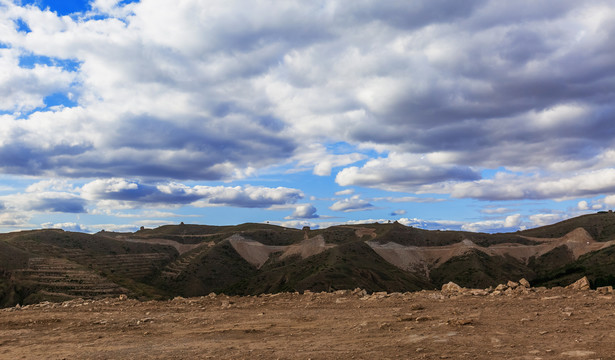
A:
(250, 259)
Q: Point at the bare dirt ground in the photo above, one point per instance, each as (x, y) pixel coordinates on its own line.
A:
(528, 324)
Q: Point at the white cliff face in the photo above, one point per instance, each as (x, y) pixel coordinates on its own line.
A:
(257, 253)
(413, 258)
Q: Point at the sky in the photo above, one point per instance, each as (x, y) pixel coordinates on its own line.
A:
(479, 115)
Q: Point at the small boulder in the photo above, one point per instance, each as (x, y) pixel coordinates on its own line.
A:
(512, 285)
(605, 289)
(524, 283)
(581, 284)
(451, 287)
(501, 287)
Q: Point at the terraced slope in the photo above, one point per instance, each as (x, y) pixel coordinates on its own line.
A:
(63, 279)
(174, 269)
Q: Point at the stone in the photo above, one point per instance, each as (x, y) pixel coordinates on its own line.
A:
(512, 284)
(581, 284)
(501, 287)
(359, 292)
(423, 318)
(524, 283)
(123, 297)
(605, 289)
(451, 287)
(417, 306)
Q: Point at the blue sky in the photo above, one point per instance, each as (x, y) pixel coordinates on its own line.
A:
(477, 115)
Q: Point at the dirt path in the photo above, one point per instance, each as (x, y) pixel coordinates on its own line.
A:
(538, 324)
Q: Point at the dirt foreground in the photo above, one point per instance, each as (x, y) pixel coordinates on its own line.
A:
(466, 324)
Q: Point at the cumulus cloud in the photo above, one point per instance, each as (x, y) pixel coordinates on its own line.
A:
(545, 219)
(583, 205)
(67, 226)
(16, 220)
(354, 203)
(132, 193)
(304, 211)
(507, 186)
(429, 98)
(46, 201)
(511, 222)
(231, 96)
(401, 172)
(297, 224)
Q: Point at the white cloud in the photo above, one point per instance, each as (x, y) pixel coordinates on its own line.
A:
(229, 89)
(401, 172)
(510, 222)
(44, 201)
(413, 199)
(14, 220)
(354, 203)
(538, 220)
(285, 80)
(126, 194)
(505, 186)
(23, 89)
(345, 192)
(303, 211)
(500, 210)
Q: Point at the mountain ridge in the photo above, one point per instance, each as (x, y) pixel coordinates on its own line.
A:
(251, 258)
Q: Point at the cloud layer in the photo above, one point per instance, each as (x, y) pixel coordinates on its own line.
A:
(212, 91)
(483, 100)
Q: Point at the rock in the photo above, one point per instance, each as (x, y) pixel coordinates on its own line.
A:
(417, 307)
(423, 318)
(524, 283)
(123, 297)
(380, 295)
(451, 287)
(581, 284)
(501, 287)
(512, 284)
(605, 289)
(460, 322)
(359, 292)
(578, 353)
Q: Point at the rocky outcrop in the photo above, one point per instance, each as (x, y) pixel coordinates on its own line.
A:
(451, 287)
(581, 284)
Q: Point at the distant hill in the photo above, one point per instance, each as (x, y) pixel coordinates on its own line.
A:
(249, 259)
